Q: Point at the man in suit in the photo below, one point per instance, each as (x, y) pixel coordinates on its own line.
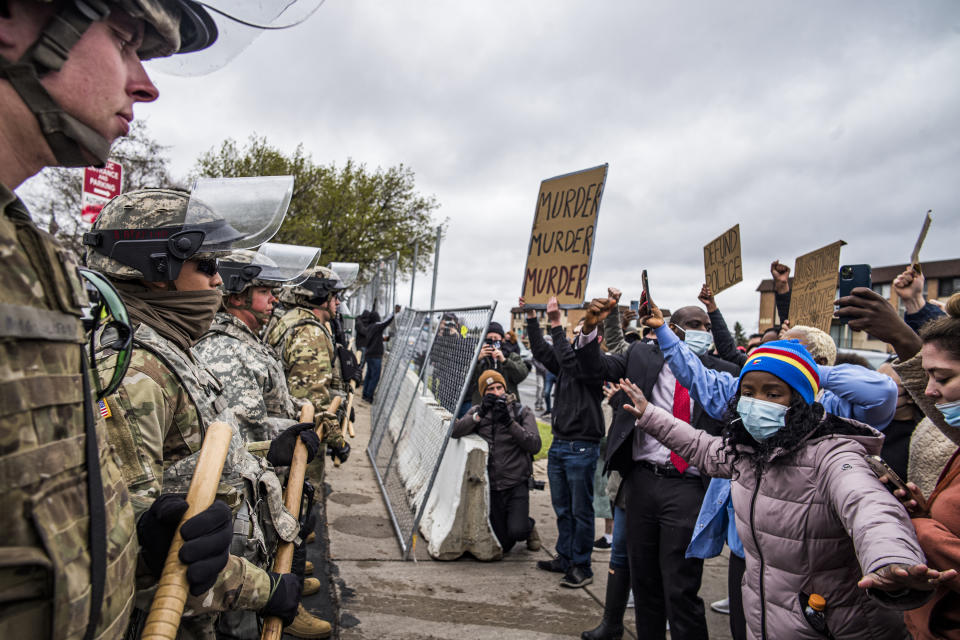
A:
(663, 492)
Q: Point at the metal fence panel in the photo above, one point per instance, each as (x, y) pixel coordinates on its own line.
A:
(430, 368)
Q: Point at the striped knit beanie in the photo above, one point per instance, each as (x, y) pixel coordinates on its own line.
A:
(791, 362)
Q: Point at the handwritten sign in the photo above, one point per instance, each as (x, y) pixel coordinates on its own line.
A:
(561, 242)
(722, 262)
(815, 287)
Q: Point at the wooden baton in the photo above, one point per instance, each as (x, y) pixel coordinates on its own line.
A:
(283, 561)
(347, 425)
(172, 590)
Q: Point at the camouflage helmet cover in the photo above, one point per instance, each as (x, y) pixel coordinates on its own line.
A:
(318, 286)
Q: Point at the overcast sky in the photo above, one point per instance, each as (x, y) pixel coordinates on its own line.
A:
(803, 122)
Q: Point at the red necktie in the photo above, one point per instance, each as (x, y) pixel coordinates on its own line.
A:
(681, 410)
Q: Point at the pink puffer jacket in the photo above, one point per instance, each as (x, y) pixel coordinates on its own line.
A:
(815, 524)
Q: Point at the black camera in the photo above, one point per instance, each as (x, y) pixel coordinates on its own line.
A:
(534, 484)
(493, 343)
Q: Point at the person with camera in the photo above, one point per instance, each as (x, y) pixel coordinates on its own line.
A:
(493, 357)
(510, 430)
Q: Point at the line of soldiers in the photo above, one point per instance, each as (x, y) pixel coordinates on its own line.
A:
(101, 422)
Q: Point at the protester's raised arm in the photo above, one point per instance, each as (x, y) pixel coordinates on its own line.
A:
(871, 396)
(711, 389)
(613, 333)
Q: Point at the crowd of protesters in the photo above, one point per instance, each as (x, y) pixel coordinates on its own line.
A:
(834, 485)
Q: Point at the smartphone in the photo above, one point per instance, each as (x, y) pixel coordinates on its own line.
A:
(635, 305)
(646, 285)
(881, 468)
(851, 277)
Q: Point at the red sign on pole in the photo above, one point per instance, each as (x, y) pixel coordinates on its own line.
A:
(99, 187)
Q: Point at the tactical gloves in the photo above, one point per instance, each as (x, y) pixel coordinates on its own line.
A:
(284, 597)
(486, 405)
(281, 449)
(206, 539)
(342, 452)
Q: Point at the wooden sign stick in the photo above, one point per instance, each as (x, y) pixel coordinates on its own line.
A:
(273, 626)
(347, 425)
(172, 590)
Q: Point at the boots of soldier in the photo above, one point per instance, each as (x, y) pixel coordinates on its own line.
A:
(614, 606)
(310, 587)
(306, 625)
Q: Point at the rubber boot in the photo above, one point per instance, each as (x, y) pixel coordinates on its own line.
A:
(306, 625)
(614, 606)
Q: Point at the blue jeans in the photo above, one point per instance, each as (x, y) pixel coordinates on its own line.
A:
(373, 378)
(618, 549)
(548, 381)
(570, 469)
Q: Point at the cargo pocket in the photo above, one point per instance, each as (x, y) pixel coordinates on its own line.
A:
(26, 590)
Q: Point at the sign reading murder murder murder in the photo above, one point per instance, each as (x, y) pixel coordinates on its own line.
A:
(99, 187)
(561, 243)
(815, 287)
(721, 261)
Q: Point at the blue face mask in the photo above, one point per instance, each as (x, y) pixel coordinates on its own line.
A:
(951, 412)
(760, 418)
(698, 341)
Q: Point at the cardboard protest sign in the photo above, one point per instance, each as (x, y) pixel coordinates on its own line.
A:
(722, 262)
(815, 287)
(561, 242)
(915, 254)
(99, 187)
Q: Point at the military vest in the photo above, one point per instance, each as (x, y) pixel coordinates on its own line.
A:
(248, 484)
(45, 564)
(264, 363)
(281, 333)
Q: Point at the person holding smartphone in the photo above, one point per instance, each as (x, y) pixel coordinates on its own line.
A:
(492, 357)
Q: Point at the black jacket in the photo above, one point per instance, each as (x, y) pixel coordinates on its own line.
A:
(511, 446)
(374, 335)
(641, 364)
(579, 390)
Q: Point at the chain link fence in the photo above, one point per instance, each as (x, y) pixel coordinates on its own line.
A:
(423, 384)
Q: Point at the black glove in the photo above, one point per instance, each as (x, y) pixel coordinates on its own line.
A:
(206, 545)
(156, 527)
(342, 452)
(486, 405)
(284, 597)
(353, 415)
(501, 412)
(281, 449)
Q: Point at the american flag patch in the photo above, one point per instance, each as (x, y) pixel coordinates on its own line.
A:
(104, 409)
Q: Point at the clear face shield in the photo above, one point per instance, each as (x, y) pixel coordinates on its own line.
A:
(238, 23)
(289, 263)
(348, 271)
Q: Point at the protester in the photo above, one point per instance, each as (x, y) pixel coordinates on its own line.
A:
(664, 492)
(897, 434)
(813, 516)
(491, 356)
(577, 427)
(512, 437)
(374, 350)
(725, 344)
(929, 368)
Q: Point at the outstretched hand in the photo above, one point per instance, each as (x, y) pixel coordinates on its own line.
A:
(896, 577)
(868, 311)
(636, 397)
(653, 317)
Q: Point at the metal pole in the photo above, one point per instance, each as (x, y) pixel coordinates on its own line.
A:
(413, 275)
(436, 265)
(393, 289)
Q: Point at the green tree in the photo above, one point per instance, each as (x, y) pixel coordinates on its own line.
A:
(352, 213)
(54, 195)
(739, 335)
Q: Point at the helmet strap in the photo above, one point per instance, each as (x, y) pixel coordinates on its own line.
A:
(73, 143)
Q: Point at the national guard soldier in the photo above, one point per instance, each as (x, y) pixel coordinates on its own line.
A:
(249, 370)
(158, 248)
(307, 348)
(70, 73)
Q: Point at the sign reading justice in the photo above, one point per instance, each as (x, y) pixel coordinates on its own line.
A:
(815, 287)
(561, 242)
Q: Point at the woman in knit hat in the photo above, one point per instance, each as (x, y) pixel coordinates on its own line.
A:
(813, 517)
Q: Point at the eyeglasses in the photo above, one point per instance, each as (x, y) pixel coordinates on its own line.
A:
(207, 266)
(116, 334)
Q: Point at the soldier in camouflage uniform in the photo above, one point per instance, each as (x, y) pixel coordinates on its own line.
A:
(68, 551)
(157, 417)
(251, 374)
(307, 348)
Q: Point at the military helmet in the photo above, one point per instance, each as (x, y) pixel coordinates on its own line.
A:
(239, 270)
(144, 235)
(316, 289)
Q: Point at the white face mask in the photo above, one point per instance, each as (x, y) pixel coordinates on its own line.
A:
(700, 342)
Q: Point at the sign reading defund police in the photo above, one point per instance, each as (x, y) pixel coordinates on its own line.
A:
(561, 243)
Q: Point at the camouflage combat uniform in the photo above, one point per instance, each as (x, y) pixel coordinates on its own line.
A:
(310, 362)
(158, 417)
(45, 575)
(252, 377)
